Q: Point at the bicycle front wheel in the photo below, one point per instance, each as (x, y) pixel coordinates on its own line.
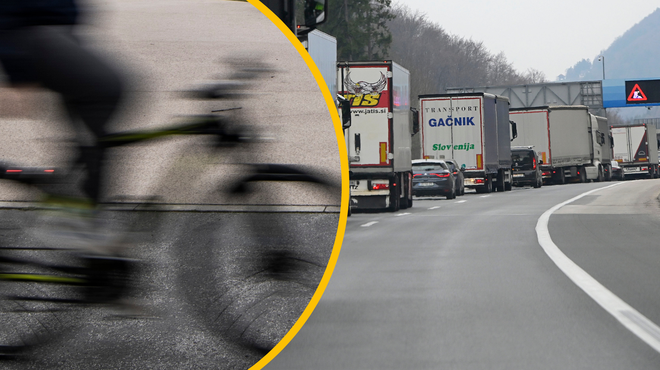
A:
(252, 278)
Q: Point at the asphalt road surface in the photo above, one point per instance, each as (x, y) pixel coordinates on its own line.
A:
(465, 284)
(200, 307)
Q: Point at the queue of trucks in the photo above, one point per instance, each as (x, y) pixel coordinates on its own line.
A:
(477, 130)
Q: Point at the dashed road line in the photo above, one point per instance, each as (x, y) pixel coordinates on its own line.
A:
(435, 207)
(403, 214)
(460, 201)
(369, 224)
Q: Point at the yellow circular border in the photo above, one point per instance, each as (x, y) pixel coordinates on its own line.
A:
(343, 214)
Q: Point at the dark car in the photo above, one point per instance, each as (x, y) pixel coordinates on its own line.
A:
(433, 177)
(617, 171)
(526, 167)
(457, 171)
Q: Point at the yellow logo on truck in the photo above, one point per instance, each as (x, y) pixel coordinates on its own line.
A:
(363, 100)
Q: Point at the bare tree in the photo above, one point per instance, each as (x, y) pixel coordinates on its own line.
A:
(533, 76)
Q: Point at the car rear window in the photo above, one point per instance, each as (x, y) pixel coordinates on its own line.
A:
(523, 159)
(428, 167)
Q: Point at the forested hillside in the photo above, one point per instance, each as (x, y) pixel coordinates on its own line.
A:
(377, 29)
(635, 54)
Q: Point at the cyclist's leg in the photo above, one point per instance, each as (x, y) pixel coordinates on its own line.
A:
(90, 89)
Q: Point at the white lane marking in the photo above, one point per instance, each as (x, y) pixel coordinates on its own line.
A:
(436, 207)
(634, 321)
(485, 196)
(403, 214)
(369, 223)
(460, 201)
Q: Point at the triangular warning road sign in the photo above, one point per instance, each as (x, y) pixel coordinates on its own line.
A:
(636, 94)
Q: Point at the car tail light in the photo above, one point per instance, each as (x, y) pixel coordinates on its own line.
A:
(441, 174)
(380, 186)
(534, 163)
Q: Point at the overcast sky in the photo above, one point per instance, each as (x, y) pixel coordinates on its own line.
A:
(535, 34)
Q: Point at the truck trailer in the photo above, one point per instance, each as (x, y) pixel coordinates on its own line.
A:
(636, 150)
(571, 142)
(379, 138)
(474, 129)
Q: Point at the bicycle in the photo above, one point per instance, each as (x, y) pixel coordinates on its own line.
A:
(46, 290)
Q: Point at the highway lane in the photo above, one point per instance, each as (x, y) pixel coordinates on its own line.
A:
(464, 284)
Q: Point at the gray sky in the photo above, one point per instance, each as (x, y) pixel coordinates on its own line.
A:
(547, 36)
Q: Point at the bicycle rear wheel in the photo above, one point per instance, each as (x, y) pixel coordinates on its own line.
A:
(37, 306)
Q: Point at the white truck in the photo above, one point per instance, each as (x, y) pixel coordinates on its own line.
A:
(474, 129)
(323, 50)
(571, 142)
(379, 138)
(636, 150)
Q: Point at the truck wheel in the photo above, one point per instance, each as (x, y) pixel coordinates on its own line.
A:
(500, 181)
(583, 175)
(489, 184)
(509, 185)
(405, 188)
(600, 174)
(560, 177)
(608, 172)
(395, 198)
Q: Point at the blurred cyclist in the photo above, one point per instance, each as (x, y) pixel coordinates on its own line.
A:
(38, 48)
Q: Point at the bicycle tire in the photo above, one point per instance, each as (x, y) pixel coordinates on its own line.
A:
(234, 284)
(32, 313)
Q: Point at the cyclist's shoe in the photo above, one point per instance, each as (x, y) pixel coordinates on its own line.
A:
(75, 223)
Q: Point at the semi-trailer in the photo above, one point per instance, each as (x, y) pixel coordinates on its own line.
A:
(572, 143)
(636, 150)
(379, 138)
(474, 129)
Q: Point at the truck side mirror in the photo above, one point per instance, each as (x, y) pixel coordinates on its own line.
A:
(315, 13)
(415, 120)
(345, 108)
(514, 130)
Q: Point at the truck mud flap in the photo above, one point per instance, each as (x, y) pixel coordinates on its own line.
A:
(369, 202)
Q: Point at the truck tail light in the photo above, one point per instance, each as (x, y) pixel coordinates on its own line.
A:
(380, 186)
(478, 181)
